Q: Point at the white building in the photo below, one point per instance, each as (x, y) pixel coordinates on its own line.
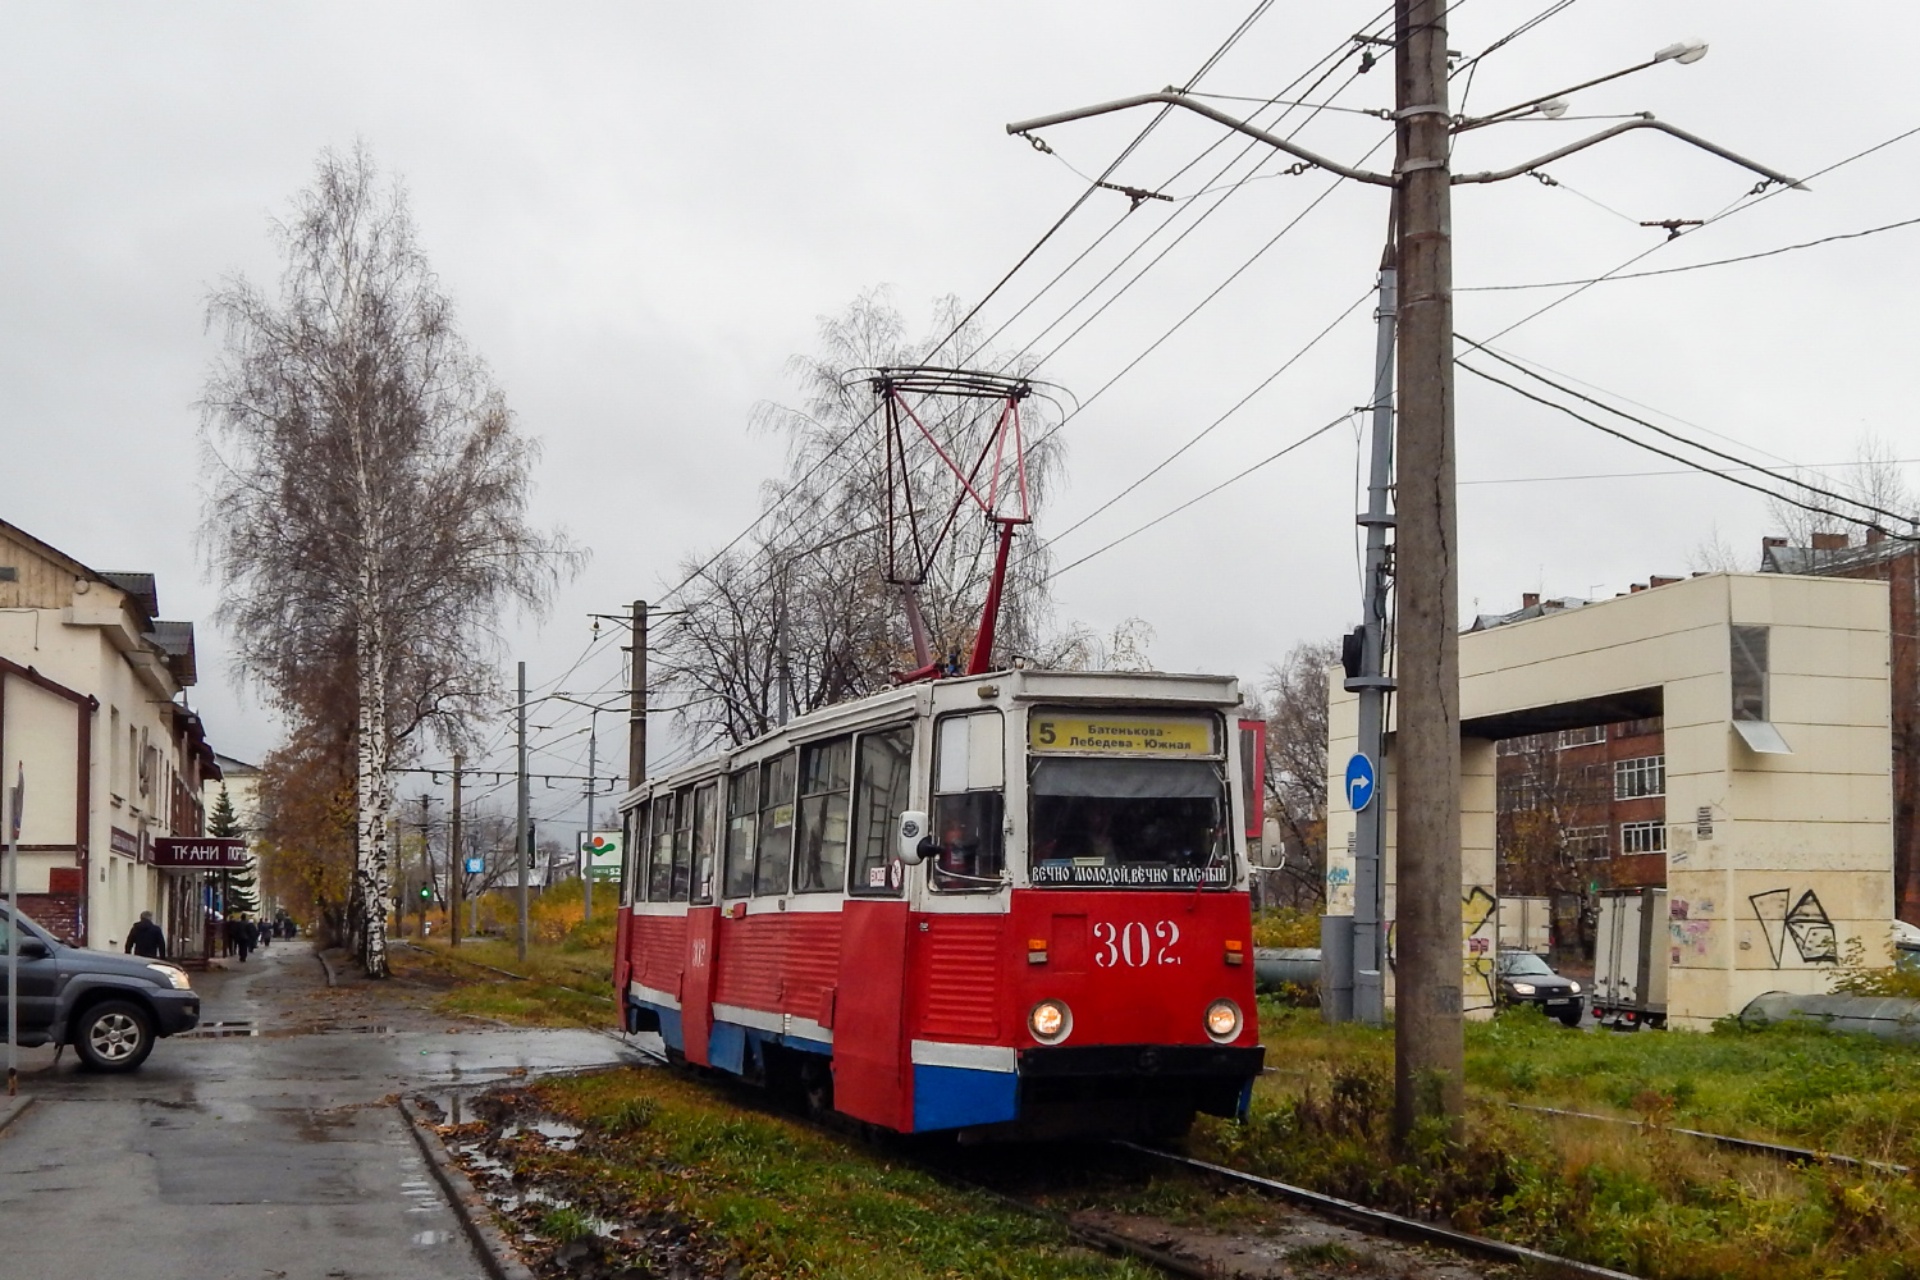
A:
(1778, 836)
(93, 711)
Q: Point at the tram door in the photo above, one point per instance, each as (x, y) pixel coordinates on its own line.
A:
(703, 929)
(872, 1066)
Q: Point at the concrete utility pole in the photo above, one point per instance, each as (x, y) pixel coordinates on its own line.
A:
(426, 863)
(637, 700)
(586, 856)
(1371, 682)
(1428, 1031)
(1429, 1045)
(522, 846)
(456, 855)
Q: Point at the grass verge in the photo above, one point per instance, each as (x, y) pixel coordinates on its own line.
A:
(773, 1198)
(1643, 1200)
(564, 986)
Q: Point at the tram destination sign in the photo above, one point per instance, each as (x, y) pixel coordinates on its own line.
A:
(1120, 735)
(201, 853)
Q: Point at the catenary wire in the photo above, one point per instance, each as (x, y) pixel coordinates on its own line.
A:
(1201, 497)
(1723, 455)
(1685, 471)
(1695, 266)
(1683, 460)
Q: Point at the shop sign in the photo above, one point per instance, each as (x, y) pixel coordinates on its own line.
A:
(124, 843)
(202, 853)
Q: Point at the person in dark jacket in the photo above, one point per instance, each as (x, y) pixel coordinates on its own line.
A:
(240, 933)
(145, 939)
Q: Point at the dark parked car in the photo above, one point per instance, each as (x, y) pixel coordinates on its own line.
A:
(109, 1008)
(1527, 979)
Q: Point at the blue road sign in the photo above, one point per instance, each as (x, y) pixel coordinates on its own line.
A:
(475, 866)
(1359, 782)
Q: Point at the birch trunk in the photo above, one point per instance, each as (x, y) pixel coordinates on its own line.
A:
(373, 793)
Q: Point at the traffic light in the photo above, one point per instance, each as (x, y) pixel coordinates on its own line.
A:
(426, 891)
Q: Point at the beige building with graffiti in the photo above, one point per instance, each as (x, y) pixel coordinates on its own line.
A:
(1778, 838)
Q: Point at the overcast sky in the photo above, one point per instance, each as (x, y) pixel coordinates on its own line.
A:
(641, 211)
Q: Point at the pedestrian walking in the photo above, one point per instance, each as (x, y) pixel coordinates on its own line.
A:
(146, 939)
(240, 934)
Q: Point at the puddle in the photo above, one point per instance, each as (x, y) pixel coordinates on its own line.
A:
(239, 1029)
(558, 1134)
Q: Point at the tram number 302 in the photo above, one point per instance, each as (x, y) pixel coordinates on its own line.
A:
(1136, 945)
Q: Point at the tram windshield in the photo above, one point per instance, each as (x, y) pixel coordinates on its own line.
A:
(1135, 824)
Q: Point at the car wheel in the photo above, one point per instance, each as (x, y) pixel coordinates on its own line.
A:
(1571, 1016)
(114, 1035)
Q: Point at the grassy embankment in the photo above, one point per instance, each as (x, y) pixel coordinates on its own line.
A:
(1645, 1200)
(776, 1198)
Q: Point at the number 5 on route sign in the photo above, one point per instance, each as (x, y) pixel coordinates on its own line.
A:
(1360, 782)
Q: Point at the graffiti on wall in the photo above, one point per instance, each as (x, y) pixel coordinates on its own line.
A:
(1804, 923)
(1478, 910)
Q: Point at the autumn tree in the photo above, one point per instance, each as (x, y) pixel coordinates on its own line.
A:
(366, 507)
(1294, 698)
(802, 614)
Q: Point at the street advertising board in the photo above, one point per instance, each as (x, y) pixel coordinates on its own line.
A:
(600, 854)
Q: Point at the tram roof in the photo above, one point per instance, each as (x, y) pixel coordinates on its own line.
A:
(1004, 689)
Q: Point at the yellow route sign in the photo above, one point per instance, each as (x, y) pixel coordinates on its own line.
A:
(1120, 735)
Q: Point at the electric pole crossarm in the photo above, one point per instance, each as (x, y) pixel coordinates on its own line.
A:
(1169, 98)
(1501, 175)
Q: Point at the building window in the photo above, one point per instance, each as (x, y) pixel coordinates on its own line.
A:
(1643, 837)
(1749, 666)
(1646, 776)
(1585, 844)
(1583, 737)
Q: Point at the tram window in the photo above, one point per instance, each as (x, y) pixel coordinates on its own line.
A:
(826, 773)
(969, 807)
(660, 851)
(1147, 824)
(704, 818)
(881, 773)
(770, 872)
(682, 844)
(630, 854)
(743, 814)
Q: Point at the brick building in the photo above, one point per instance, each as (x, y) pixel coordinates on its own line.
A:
(1896, 562)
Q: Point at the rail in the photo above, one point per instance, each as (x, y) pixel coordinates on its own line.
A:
(1394, 1225)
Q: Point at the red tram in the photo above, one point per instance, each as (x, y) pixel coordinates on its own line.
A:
(1012, 904)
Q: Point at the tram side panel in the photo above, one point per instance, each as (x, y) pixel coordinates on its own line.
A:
(961, 1054)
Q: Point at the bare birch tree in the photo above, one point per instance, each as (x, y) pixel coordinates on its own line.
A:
(804, 616)
(1294, 695)
(366, 505)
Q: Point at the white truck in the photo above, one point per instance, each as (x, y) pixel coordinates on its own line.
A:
(1526, 924)
(1630, 959)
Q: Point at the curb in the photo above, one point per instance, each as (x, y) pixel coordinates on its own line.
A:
(496, 1254)
(332, 977)
(12, 1109)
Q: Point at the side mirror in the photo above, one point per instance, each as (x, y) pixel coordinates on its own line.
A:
(33, 949)
(913, 845)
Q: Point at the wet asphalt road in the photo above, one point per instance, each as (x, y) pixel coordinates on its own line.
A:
(262, 1149)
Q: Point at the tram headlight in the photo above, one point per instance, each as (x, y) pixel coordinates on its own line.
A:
(1223, 1020)
(1050, 1021)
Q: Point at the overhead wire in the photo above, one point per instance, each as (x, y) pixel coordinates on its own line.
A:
(1230, 480)
(1694, 266)
(1677, 437)
(1729, 477)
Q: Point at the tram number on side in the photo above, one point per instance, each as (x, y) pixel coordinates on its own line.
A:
(1135, 945)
